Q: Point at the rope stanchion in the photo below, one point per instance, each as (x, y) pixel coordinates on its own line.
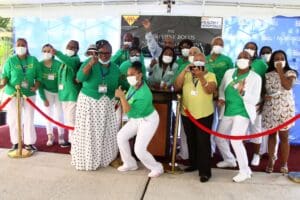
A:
(241, 137)
(5, 103)
(46, 116)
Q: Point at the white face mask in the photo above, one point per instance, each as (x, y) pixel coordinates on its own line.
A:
(129, 44)
(250, 51)
(104, 62)
(47, 56)
(185, 52)
(283, 63)
(69, 52)
(191, 59)
(167, 59)
(134, 58)
(20, 51)
(132, 80)
(199, 63)
(242, 63)
(266, 57)
(217, 49)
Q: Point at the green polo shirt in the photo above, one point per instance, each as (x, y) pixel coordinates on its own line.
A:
(66, 77)
(260, 67)
(100, 76)
(49, 78)
(121, 56)
(219, 66)
(234, 104)
(140, 102)
(18, 71)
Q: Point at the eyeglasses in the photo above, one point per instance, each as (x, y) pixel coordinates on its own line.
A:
(104, 53)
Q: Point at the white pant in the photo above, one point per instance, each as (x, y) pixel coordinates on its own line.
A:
(27, 117)
(256, 128)
(54, 104)
(144, 129)
(184, 151)
(236, 125)
(69, 110)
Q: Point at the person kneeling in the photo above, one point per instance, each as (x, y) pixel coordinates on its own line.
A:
(143, 122)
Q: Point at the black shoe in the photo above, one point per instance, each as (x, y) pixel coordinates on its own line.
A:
(190, 169)
(14, 147)
(65, 145)
(204, 179)
(30, 147)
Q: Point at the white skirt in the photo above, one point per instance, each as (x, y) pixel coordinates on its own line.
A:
(94, 142)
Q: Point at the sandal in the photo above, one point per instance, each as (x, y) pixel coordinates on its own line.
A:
(284, 170)
(270, 166)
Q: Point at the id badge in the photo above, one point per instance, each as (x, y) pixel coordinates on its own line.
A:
(24, 84)
(102, 89)
(194, 93)
(51, 77)
(60, 86)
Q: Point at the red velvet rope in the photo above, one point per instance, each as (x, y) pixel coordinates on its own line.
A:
(241, 137)
(47, 117)
(5, 103)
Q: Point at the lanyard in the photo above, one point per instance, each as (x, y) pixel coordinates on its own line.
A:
(132, 93)
(195, 81)
(24, 67)
(103, 75)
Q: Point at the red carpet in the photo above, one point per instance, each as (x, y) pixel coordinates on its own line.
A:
(293, 164)
(40, 143)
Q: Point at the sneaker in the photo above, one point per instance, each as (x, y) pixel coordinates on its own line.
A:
(65, 145)
(30, 147)
(125, 168)
(224, 164)
(255, 160)
(50, 141)
(241, 177)
(14, 147)
(154, 174)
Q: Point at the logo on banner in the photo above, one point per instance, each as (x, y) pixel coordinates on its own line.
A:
(211, 22)
(130, 19)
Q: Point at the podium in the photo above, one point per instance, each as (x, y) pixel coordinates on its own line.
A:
(160, 143)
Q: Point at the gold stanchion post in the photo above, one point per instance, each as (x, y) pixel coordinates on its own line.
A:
(175, 169)
(20, 152)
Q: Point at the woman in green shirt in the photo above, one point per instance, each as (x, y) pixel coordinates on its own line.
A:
(49, 92)
(94, 143)
(143, 122)
(21, 70)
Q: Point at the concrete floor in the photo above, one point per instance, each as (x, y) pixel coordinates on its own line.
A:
(50, 176)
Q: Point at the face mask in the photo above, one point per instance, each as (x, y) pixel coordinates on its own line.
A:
(20, 51)
(242, 63)
(250, 51)
(132, 80)
(104, 62)
(266, 57)
(69, 52)
(199, 63)
(185, 52)
(167, 59)
(217, 49)
(283, 63)
(47, 56)
(129, 44)
(191, 59)
(134, 58)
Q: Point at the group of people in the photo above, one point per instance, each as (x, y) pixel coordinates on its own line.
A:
(248, 96)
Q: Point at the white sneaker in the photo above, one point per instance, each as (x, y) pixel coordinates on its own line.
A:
(224, 164)
(241, 177)
(124, 168)
(255, 160)
(50, 141)
(154, 174)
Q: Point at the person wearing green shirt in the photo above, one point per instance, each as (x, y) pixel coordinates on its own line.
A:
(143, 122)
(134, 55)
(184, 47)
(21, 70)
(94, 142)
(239, 93)
(48, 91)
(197, 85)
(68, 88)
(259, 66)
